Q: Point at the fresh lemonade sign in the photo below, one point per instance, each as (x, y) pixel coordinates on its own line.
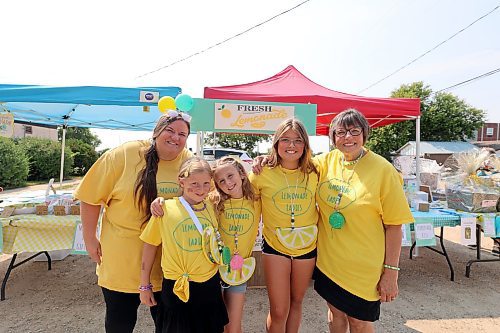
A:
(250, 116)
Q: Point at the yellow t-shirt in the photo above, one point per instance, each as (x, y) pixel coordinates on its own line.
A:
(353, 256)
(110, 182)
(182, 257)
(277, 195)
(240, 216)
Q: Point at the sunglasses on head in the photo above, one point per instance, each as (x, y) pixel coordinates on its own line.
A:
(174, 114)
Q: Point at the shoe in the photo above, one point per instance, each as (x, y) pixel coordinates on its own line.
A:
(496, 249)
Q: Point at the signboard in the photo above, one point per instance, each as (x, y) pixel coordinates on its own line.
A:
(217, 115)
(250, 116)
(6, 125)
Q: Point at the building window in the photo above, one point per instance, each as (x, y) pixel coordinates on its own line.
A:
(489, 131)
(28, 129)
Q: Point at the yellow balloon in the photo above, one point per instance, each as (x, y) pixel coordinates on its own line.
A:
(166, 103)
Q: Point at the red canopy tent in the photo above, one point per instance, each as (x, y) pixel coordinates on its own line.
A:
(292, 86)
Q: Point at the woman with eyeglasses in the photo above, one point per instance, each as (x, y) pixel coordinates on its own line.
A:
(287, 187)
(125, 181)
(362, 206)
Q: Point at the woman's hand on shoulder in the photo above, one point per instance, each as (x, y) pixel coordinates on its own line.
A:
(157, 207)
(258, 163)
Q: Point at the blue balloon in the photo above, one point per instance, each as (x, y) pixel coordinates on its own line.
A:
(184, 102)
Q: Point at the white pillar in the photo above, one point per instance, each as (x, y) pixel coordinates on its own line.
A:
(63, 145)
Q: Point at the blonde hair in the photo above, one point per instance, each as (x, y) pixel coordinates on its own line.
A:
(194, 165)
(218, 197)
(306, 165)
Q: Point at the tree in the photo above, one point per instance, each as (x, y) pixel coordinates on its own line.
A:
(83, 134)
(246, 142)
(444, 117)
(84, 156)
(83, 144)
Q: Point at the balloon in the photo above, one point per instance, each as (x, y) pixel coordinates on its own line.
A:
(166, 103)
(184, 102)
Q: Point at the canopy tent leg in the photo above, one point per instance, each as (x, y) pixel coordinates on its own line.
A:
(417, 160)
(199, 144)
(63, 145)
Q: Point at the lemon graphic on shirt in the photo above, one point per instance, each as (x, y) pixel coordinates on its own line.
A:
(209, 245)
(297, 238)
(236, 277)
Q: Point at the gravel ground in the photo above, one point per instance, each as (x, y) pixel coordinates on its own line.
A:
(67, 299)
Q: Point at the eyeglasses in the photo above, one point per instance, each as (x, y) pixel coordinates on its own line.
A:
(174, 114)
(287, 141)
(355, 131)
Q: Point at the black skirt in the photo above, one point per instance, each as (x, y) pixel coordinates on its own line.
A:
(204, 312)
(352, 305)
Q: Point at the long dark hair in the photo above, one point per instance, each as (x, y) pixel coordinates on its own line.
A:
(145, 190)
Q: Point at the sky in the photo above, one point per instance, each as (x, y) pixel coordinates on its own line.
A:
(343, 45)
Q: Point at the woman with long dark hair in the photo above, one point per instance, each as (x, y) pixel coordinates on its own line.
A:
(125, 181)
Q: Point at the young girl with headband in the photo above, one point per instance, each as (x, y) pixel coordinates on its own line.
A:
(191, 300)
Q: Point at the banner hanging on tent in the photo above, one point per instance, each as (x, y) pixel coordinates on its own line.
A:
(231, 116)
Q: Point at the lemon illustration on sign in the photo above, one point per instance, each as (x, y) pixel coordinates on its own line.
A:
(236, 277)
(297, 238)
(225, 113)
(209, 245)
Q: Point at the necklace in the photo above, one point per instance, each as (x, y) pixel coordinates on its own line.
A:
(337, 219)
(349, 163)
(292, 199)
(236, 262)
(199, 209)
(223, 250)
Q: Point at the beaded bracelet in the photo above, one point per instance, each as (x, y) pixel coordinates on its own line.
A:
(147, 287)
(392, 267)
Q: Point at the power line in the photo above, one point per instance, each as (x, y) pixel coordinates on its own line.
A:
(224, 41)
(424, 54)
(470, 80)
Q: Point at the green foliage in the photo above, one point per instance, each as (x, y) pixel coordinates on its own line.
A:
(444, 117)
(84, 156)
(13, 164)
(82, 134)
(45, 157)
(246, 142)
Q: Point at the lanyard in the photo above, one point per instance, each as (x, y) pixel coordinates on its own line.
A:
(191, 213)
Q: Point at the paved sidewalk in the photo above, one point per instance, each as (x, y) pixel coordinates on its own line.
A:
(16, 191)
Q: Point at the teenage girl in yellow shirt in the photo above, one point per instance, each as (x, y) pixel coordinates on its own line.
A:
(238, 213)
(287, 187)
(191, 301)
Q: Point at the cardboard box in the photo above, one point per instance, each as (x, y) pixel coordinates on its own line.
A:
(42, 210)
(60, 210)
(74, 210)
(423, 206)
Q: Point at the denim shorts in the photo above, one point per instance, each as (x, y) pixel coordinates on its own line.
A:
(241, 288)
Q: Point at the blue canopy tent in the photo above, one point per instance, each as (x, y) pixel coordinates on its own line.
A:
(85, 106)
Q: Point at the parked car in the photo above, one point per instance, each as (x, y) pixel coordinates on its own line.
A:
(211, 154)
